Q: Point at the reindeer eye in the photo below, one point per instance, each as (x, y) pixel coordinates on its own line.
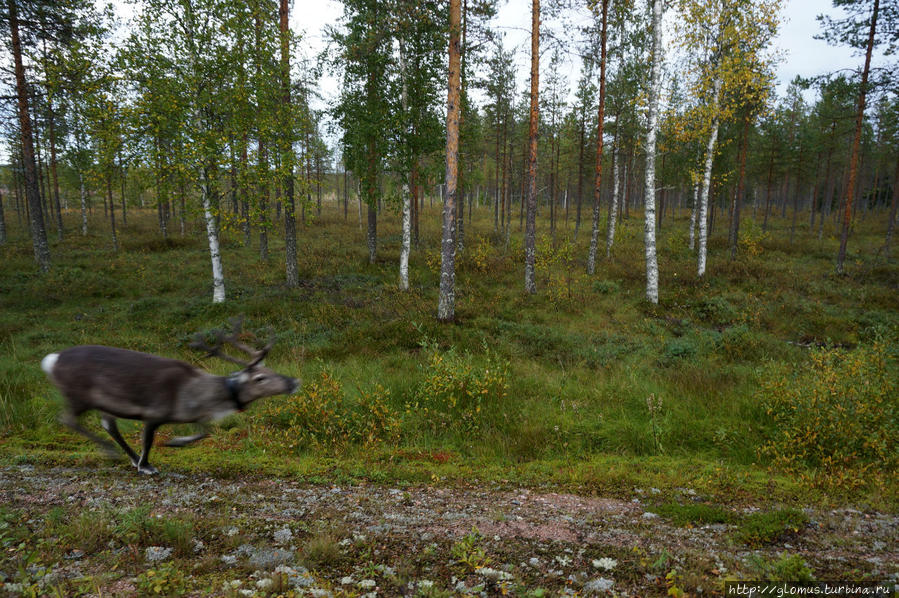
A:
(258, 377)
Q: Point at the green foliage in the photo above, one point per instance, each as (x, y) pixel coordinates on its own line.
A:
(164, 580)
(740, 343)
(10, 534)
(468, 553)
(836, 418)
(323, 417)
(139, 527)
(459, 394)
(654, 408)
(788, 567)
(557, 266)
(694, 513)
(606, 287)
(761, 528)
(715, 309)
(321, 549)
(678, 349)
(577, 374)
(86, 530)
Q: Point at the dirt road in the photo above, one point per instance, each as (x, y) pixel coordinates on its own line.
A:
(261, 536)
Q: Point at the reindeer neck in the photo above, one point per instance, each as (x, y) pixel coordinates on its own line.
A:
(233, 386)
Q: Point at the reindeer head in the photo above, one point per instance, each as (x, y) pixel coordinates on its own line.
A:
(254, 380)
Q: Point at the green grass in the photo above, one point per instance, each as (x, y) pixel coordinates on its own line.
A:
(758, 529)
(694, 513)
(583, 355)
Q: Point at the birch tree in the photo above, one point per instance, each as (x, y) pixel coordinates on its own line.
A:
(530, 234)
(649, 225)
(727, 39)
(193, 52)
(420, 34)
(363, 109)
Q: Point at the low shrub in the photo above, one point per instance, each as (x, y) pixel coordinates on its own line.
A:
(606, 287)
(789, 567)
(694, 513)
(138, 527)
(716, 310)
(164, 580)
(740, 343)
(836, 418)
(459, 394)
(758, 529)
(323, 417)
(677, 350)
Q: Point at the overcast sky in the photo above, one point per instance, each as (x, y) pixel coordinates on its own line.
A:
(802, 54)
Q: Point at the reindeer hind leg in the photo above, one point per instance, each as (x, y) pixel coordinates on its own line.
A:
(70, 419)
(109, 424)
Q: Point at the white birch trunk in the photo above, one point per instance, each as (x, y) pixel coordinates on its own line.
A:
(359, 196)
(83, 204)
(218, 278)
(693, 213)
(594, 236)
(649, 225)
(613, 207)
(707, 180)
(2, 222)
(407, 212)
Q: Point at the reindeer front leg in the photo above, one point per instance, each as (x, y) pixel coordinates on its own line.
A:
(180, 441)
(109, 424)
(143, 466)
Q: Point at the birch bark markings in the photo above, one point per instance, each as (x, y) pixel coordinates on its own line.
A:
(613, 206)
(407, 212)
(530, 252)
(447, 299)
(649, 226)
(218, 278)
(707, 179)
(693, 214)
(2, 223)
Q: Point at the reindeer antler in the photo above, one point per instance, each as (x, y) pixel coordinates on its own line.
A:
(232, 339)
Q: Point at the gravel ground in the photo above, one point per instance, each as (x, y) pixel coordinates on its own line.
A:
(263, 536)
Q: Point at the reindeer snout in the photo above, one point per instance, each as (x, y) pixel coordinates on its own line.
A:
(294, 384)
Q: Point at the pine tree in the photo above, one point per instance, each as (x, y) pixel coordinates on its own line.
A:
(447, 299)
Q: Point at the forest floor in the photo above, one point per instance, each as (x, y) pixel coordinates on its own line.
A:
(104, 531)
(525, 449)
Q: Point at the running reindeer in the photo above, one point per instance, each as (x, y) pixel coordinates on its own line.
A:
(156, 390)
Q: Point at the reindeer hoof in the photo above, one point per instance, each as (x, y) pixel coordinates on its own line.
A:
(147, 470)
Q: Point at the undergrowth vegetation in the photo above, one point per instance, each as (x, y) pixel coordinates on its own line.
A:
(770, 365)
(836, 422)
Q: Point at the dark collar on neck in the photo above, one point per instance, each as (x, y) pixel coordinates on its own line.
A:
(234, 392)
